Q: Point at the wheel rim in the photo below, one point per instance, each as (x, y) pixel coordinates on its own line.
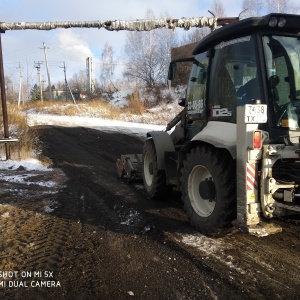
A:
(204, 207)
(148, 166)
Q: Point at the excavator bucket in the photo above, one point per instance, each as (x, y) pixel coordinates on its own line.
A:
(129, 166)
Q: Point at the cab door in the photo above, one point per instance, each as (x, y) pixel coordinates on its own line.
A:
(196, 96)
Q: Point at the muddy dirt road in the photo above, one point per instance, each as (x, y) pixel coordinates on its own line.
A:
(103, 239)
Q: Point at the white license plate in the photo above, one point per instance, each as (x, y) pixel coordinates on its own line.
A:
(256, 113)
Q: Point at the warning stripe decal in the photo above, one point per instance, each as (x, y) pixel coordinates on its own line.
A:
(251, 178)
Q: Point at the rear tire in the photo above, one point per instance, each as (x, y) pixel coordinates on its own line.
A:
(154, 179)
(208, 186)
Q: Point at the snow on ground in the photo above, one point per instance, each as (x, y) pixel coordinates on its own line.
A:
(132, 128)
(29, 183)
(27, 164)
(137, 125)
(24, 172)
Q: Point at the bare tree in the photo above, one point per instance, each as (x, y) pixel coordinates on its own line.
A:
(218, 9)
(78, 82)
(107, 66)
(11, 91)
(259, 8)
(148, 54)
(253, 8)
(279, 6)
(194, 35)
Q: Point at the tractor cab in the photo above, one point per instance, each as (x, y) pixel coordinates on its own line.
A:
(242, 106)
(233, 152)
(253, 61)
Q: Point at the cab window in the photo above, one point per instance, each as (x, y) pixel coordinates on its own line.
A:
(233, 78)
(196, 91)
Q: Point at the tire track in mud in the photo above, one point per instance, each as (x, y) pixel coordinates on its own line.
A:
(233, 266)
(31, 238)
(47, 247)
(106, 239)
(262, 268)
(33, 242)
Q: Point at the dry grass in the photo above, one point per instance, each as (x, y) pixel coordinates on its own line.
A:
(135, 104)
(105, 109)
(27, 145)
(95, 108)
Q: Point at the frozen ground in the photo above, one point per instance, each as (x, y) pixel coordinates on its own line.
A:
(70, 215)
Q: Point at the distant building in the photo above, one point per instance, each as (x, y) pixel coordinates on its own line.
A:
(57, 94)
(61, 95)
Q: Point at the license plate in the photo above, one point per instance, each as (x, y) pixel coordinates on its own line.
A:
(256, 113)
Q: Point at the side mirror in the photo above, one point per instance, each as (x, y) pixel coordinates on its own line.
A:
(171, 72)
(202, 76)
(181, 102)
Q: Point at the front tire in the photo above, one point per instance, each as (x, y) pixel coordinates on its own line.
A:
(154, 179)
(208, 187)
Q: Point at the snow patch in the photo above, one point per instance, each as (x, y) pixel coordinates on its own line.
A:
(133, 128)
(202, 242)
(48, 209)
(211, 247)
(24, 179)
(28, 164)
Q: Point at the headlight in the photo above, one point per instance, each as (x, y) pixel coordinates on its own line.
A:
(281, 22)
(273, 22)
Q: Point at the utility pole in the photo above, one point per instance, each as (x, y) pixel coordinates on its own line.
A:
(67, 86)
(37, 65)
(49, 81)
(3, 101)
(66, 83)
(20, 87)
(43, 81)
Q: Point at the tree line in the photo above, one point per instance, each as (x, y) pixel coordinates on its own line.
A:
(146, 54)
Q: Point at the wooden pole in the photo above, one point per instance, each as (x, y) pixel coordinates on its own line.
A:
(3, 100)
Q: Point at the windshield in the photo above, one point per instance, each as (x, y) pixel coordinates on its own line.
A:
(283, 66)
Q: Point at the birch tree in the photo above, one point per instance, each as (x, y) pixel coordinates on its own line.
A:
(258, 8)
(218, 9)
(280, 6)
(107, 66)
(148, 54)
(253, 8)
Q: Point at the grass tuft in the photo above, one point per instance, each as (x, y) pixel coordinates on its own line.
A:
(27, 145)
(135, 104)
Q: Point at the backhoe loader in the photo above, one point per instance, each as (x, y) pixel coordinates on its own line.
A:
(234, 151)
